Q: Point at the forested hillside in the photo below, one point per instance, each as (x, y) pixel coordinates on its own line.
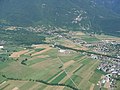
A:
(90, 15)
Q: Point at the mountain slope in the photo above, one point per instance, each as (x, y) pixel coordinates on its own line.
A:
(114, 5)
(77, 14)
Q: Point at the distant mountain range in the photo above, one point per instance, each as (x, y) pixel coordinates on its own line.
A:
(89, 15)
(114, 5)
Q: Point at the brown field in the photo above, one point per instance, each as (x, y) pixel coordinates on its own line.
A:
(29, 52)
(18, 85)
(60, 88)
(17, 54)
(92, 87)
(45, 50)
(35, 87)
(69, 43)
(14, 85)
(41, 56)
(67, 64)
(54, 88)
(15, 88)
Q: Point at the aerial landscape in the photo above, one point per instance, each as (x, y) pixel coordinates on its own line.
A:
(59, 44)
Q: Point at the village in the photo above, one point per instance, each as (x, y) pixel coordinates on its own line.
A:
(111, 68)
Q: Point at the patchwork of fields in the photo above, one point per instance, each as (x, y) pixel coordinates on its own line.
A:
(55, 70)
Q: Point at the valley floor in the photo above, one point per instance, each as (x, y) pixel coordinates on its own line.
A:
(46, 67)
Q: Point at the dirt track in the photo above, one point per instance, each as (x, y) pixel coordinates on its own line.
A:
(47, 48)
(17, 54)
(92, 87)
(41, 56)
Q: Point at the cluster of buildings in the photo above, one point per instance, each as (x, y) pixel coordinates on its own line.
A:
(79, 41)
(110, 66)
(107, 82)
(110, 48)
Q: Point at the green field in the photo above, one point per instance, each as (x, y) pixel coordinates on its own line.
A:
(75, 78)
(82, 71)
(90, 39)
(59, 78)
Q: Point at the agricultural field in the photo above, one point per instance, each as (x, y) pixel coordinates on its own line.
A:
(90, 39)
(43, 67)
(48, 67)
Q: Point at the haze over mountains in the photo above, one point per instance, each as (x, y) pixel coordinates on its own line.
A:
(90, 15)
(114, 5)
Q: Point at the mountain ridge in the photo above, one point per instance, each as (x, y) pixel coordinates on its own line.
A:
(76, 14)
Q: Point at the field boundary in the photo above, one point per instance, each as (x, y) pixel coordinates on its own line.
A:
(41, 81)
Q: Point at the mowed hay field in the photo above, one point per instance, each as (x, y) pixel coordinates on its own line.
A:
(44, 63)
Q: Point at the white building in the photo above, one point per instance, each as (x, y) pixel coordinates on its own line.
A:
(1, 47)
(94, 56)
(62, 51)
